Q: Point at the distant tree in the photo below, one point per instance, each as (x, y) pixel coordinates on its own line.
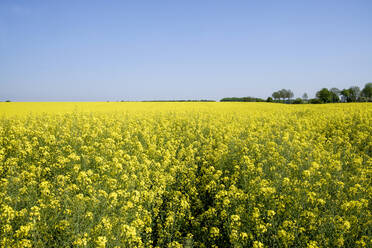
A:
(345, 93)
(335, 94)
(367, 92)
(324, 95)
(276, 95)
(297, 101)
(242, 99)
(282, 93)
(354, 93)
(269, 99)
(305, 96)
(334, 97)
(290, 94)
(314, 101)
(335, 90)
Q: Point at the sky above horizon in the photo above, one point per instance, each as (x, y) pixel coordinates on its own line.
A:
(156, 50)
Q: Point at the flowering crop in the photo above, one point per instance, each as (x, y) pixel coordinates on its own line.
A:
(185, 175)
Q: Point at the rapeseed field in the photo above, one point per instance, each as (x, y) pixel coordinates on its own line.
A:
(185, 175)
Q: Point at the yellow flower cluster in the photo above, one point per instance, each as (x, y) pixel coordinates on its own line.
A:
(185, 175)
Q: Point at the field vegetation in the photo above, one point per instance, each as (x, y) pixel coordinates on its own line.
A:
(185, 175)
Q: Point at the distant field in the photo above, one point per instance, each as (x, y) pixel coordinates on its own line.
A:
(127, 174)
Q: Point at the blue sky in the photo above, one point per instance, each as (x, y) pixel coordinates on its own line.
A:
(75, 50)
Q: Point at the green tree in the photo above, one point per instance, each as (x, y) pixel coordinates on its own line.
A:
(297, 101)
(315, 101)
(290, 94)
(367, 92)
(276, 95)
(283, 93)
(305, 96)
(324, 95)
(335, 94)
(345, 93)
(354, 93)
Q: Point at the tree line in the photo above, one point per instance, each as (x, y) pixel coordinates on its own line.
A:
(332, 95)
(242, 99)
(352, 94)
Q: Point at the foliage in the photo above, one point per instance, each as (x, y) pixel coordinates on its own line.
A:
(185, 174)
(352, 94)
(276, 95)
(298, 101)
(283, 94)
(315, 101)
(367, 92)
(324, 95)
(328, 96)
(305, 96)
(345, 93)
(202, 100)
(242, 99)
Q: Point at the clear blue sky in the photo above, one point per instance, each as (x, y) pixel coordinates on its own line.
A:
(75, 50)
